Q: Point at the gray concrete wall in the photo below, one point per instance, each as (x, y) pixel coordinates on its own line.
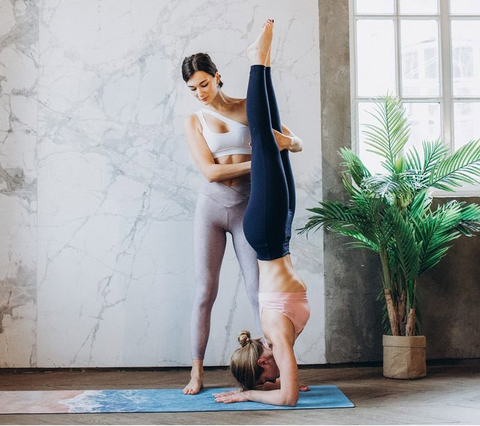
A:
(450, 297)
(449, 293)
(352, 324)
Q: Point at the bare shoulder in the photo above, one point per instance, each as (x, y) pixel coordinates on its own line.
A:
(239, 109)
(191, 122)
(242, 104)
(237, 104)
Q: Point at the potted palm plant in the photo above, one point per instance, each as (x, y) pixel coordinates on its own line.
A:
(391, 214)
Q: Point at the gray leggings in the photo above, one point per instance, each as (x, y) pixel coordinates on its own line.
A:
(219, 210)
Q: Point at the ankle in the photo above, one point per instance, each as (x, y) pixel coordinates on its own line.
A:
(197, 369)
(196, 373)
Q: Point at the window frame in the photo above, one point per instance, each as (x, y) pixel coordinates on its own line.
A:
(446, 99)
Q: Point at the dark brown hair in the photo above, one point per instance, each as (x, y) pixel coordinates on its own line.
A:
(198, 62)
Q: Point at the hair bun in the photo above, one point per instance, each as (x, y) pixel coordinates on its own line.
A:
(244, 338)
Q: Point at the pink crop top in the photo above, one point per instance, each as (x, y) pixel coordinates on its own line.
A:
(236, 141)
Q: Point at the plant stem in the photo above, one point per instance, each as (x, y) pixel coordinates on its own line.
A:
(387, 284)
(410, 331)
(401, 312)
(392, 313)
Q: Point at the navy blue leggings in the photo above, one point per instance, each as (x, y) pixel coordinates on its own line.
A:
(267, 223)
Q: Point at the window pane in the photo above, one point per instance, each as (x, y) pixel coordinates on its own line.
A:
(465, 7)
(375, 57)
(416, 7)
(466, 57)
(374, 6)
(424, 119)
(466, 122)
(372, 161)
(420, 57)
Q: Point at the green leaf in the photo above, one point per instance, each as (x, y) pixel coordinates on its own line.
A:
(461, 167)
(406, 247)
(436, 230)
(390, 133)
(331, 215)
(354, 166)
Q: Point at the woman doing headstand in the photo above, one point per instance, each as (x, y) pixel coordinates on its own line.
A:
(267, 225)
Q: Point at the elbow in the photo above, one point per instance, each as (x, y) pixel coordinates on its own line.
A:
(290, 400)
(211, 175)
(212, 178)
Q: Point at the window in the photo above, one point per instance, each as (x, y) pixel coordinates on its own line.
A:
(428, 53)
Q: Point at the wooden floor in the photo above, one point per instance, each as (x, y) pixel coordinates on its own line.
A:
(450, 394)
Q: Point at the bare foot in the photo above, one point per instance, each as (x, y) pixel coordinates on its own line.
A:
(257, 52)
(196, 378)
(283, 141)
(194, 386)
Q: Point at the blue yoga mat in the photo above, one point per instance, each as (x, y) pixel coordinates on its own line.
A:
(153, 401)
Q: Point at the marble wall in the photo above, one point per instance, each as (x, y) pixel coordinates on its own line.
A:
(98, 188)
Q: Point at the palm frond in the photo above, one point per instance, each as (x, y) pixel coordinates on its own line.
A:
(362, 241)
(420, 205)
(436, 231)
(469, 220)
(331, 214)
(354, 165)
(421, 165)
(406, 247)
(461, 167)
(434, 152)
(382, 184)
(390, 134)
(349, 187)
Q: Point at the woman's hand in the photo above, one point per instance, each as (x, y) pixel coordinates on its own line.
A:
(229, 397)
(227, 393)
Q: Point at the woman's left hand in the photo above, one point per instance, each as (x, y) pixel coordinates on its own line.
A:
(229, 397)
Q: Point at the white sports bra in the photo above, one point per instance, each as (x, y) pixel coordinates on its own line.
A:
(236, 141)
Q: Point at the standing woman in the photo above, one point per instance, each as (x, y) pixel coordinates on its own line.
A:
(218, 138)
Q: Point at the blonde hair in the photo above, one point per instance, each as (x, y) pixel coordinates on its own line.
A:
(243, 364)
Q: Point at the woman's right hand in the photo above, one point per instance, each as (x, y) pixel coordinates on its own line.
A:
(223, 394)
(234, 396)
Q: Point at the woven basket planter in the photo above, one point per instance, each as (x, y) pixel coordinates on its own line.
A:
(404, 357)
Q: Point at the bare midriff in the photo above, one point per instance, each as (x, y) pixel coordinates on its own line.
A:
(234, 159)
(279, 275)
